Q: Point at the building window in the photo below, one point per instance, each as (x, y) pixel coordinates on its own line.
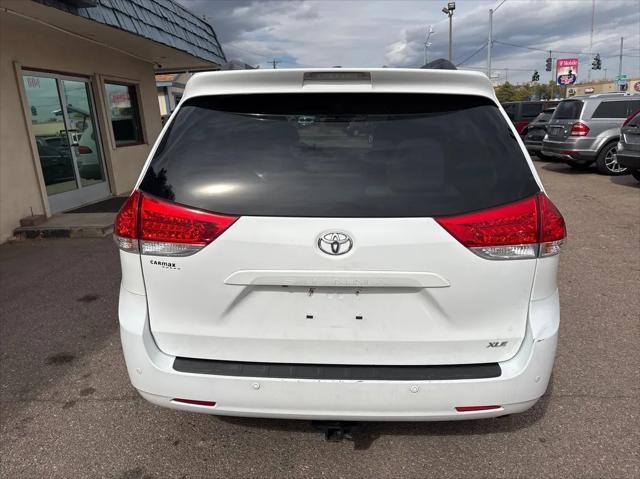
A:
(125, 114)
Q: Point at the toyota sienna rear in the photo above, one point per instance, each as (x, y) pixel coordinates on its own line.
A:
(331, 244)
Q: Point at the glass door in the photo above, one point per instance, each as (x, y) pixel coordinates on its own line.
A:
(66, 133)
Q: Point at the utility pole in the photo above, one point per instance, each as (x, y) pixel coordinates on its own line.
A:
(490, 43)
(553, 77)
(593, 16)
(620, 62)
(605, 73)
(274, 62)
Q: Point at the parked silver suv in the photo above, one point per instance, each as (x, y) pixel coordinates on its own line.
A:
(584, 130)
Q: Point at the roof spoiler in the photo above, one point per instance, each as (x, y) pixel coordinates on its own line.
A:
(439, 64)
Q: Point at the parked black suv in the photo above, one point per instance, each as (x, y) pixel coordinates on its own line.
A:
(522, 112)
(534, 132)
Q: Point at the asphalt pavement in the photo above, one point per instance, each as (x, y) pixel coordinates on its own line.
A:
(68, 410)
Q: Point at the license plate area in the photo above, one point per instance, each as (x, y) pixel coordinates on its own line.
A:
(556, 131)
(347, 307)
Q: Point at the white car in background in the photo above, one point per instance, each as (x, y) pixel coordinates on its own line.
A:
(277, 261)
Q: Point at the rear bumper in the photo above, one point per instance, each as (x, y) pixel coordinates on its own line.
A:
(523, 380)
(576, 149)
(628, 158)
(533, 146)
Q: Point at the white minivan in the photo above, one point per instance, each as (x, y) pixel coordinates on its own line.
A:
(367, 244)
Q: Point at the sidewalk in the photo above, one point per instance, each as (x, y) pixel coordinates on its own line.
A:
(70, 225)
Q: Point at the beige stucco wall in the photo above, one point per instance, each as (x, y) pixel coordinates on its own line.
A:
(36, 46)
(601, 87)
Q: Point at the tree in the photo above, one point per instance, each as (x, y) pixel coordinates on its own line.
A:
(506, 92)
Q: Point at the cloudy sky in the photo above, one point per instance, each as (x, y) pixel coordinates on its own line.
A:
(373, 33)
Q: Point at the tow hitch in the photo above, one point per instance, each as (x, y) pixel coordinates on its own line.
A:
(336, 430)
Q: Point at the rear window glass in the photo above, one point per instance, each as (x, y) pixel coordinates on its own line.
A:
(612, 109)
(339, 155)
(531, 110)
(568, 110)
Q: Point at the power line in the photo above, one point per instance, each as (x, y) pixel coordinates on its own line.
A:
(482, 47)
(558, 51)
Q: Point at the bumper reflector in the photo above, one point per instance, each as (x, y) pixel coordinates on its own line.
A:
(195, 402)
(476, 408)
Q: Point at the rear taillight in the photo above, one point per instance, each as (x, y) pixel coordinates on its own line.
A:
(153, 226)
(553, 231)
(126, 225)
(528, 228)
(630, 117)
(579, 129)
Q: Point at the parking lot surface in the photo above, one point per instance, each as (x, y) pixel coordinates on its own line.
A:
(68, 410)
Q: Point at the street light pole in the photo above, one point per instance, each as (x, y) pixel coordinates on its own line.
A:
(450, 36)
(593, 17)
(448, 10)
(427, 44)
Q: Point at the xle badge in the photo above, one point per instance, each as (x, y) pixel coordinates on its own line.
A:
(497, 344)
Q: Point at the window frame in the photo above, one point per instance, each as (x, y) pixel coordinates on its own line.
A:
(135, 103)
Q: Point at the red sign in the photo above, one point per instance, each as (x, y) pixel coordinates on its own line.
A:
(120, 97)
(567, 71)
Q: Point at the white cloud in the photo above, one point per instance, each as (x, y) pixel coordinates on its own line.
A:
(374, 33)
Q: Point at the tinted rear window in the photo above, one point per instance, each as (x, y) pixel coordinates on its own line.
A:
(339, 155)
(568, 110)
(612, 109)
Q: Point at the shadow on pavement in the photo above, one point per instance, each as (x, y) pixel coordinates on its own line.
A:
(368, 432)
(566, 169)
(626, 180)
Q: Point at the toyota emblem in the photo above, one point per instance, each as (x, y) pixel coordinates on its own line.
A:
(335, 243)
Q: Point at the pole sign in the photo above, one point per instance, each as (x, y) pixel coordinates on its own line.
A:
(567, 71)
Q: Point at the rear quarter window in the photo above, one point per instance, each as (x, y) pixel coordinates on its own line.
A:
(612, 109)
(339, 155)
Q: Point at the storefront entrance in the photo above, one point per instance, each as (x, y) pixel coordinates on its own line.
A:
(66, 133)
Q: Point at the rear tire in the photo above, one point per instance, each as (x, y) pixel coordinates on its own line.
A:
(578, 166)
(607, 163)
(636, 174)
